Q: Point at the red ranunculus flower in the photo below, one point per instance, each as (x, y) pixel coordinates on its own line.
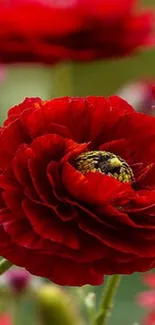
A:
(48, 32)
(78, 188)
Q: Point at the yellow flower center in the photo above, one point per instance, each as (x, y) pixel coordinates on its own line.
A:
(106, 163)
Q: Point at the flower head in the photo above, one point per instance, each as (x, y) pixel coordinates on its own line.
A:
(56, 306)
(153, 91)
(77, 188)
(72, 30)
(5, 319)
(147, 298)
(17, 279)
(150, 319)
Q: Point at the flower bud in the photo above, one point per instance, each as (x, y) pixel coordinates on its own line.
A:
(17, 279)
(56, 307)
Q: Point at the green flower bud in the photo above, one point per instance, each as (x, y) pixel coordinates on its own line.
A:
(56, 307)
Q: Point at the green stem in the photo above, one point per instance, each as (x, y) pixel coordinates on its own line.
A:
(107, 301)
(4, 265)
(63, 80)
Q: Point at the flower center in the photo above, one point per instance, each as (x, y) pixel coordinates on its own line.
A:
(106, 163)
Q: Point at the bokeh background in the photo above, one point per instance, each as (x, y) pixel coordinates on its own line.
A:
(97, 78)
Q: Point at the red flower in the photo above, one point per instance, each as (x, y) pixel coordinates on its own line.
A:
(5, 319)
(153, 91)
(147, 298)
(74, 30)
(77, 188)
(149, 279)
(150, 319)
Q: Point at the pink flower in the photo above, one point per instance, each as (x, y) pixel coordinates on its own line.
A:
(141, 95)
(17, 279)
(147, 298)
(5, 319)
(153, 91)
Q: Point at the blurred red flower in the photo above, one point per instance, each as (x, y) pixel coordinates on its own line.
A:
(153, 91)
(150, 319)
(48, 32)
(147, 298)
(77, 188)
(5, 319)
(140, 94)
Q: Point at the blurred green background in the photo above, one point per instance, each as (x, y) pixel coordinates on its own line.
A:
(97, 78)
(80, 79)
